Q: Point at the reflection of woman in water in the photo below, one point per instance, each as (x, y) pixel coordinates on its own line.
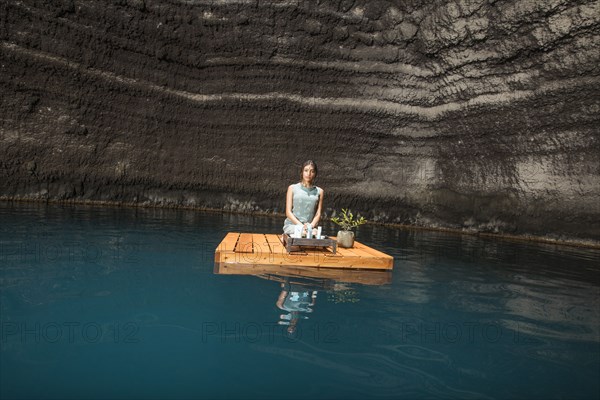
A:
(296, 300)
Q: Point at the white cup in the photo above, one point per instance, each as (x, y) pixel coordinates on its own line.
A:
(298, 231)
(319, 232)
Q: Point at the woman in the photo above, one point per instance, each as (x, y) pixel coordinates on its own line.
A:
(304, 201)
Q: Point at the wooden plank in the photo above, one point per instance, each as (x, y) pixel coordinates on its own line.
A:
(260, 243)
(307, 260)
(280, 253)
(273, 238)
(229, 241)
(344, 252)
(262, 249)
(227, 245)
(367, 257)
(359, 252)
(244, 244)
(276, 247)
(371, 250)
(375, 277)
(376, 254)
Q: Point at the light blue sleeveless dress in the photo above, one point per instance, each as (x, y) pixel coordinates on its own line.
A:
(305, 202)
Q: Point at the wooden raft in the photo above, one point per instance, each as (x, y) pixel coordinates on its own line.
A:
(268, 249)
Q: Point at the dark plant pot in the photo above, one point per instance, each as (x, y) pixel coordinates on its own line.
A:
(345, 239)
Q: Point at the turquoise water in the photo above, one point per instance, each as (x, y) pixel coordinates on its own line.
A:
(123, 303)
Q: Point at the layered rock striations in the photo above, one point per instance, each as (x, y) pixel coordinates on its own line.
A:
(479, 115)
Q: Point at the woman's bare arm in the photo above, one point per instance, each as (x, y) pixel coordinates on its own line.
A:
(317, 217)
(281, 298)
(289, 200)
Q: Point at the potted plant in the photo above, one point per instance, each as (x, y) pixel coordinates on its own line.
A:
(345, 237)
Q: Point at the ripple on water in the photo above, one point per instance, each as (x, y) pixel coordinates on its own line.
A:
(145, 318)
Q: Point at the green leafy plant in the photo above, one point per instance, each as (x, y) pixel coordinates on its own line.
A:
(346, 221)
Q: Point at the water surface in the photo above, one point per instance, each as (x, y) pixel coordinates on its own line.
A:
(123, 303)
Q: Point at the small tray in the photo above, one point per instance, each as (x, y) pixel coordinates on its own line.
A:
(325, 241)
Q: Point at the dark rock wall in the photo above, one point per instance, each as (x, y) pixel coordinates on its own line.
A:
(480, 115)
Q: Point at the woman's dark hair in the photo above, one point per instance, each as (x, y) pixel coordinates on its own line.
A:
(314, 165)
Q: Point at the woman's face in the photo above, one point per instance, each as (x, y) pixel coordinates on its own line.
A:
(308, 173)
